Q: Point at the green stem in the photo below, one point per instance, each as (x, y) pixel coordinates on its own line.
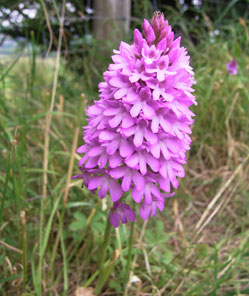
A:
(103, 246)
(39, 270)
(103, 250)
(127, 272)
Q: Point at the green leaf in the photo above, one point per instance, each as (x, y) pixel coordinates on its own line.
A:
(167, 256)
(202, 250)
(164, 238)
(116, 285)
(159, 228)
(76, 204)
(76, 225)
(150, 237)
(80, 217)
(79, 223)
(10, 278)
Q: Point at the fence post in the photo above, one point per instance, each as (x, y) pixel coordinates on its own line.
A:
(111, 19)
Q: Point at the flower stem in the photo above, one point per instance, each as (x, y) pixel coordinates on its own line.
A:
(103, 246)
(127, 272)
(102, 251)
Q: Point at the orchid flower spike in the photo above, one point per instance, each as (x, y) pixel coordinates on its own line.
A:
(138, 131)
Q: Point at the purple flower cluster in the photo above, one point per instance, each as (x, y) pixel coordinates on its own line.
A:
(121, 212)
(138, 132)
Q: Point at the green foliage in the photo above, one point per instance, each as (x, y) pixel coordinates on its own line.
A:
(80, 220)
(157, 236)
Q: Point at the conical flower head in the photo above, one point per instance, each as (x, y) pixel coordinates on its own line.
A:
(139, 130)
(159, 25)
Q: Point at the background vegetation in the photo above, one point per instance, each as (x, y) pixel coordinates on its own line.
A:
(199, 245)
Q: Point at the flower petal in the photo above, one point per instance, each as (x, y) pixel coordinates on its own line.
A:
(155, 150)
(148, 32)
(136, 109)
(111, 111)
(112, 148)
(164, 183)
(145, 210)
(135, 77)
(106, 135)
(153, 162)
(138, 180)
(91, 162)
(115, 190)
(156, 94)
(115, 160)
(117, 82)
(102, 160)
(160, 75)
(115, 121)
(147, 194)
(126, 183)
(132, 161)
(131, 96)
(127, 121)
(130, 214)
(82, 149)
(95, 151)
(119, 172)
(95, 182)
(137, 194)
(120, 93)
(155, 124)
(148, 111)
(142, 164)
(125, 148)
(138, 138)
(167, 96)
(103, 189)
(114, 218)
(162, 44)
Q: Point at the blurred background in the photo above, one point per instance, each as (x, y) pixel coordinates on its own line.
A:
(52, 57)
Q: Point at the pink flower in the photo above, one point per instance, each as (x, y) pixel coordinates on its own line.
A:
(160, 90)
(148, 32)
(118, 115)
(232, 67)
(141, 160)
(106, 183)
(147, 210)
(84, 175)
(121, 84)
(161, 68)
(153, 199)
(130, 176)
(150, 54)
(121, 212)
(138, 72)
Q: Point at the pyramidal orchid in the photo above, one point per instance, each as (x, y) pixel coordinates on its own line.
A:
(139, 130)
